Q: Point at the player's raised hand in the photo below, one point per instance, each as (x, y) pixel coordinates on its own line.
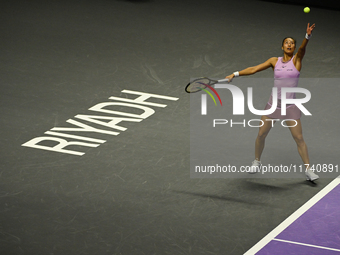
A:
(310, 29)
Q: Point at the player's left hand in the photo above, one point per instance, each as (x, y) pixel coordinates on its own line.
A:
(310, 29)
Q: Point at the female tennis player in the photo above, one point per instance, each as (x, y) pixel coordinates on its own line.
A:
(286, 74)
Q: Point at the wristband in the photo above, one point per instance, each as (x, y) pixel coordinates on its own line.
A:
(308, 36)
(237, 74)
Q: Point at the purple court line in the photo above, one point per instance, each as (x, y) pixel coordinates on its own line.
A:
(308, 245)
(269, 239)
(319, 226)
(283, 248)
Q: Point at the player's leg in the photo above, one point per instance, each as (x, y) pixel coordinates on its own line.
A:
(296, 131)
(260, 142)
(261, 136)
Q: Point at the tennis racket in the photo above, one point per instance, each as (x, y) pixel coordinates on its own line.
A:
(202, 83)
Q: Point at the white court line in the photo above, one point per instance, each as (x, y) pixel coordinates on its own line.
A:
(306, 244)
(269, 237)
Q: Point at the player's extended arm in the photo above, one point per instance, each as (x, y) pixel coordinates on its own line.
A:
(254, 69)
(302, 50)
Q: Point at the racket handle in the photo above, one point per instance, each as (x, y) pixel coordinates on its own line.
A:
(223, 80)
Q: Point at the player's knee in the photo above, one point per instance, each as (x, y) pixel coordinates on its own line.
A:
(262, 135)
(299, 139)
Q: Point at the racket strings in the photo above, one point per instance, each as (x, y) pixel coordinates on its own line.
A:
(198, 85)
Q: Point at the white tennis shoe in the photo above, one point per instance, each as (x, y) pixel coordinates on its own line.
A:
(255, 167)
(311, 176)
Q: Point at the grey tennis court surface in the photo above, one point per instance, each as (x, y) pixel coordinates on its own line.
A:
(95, 127)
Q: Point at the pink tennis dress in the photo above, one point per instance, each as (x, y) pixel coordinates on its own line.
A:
(285, 75)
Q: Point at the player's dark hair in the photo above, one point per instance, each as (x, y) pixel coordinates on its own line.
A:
(287, 38)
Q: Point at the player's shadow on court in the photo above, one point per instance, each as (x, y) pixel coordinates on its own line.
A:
(225, 198)
(276, 189)
(263, 187)
(308, 183)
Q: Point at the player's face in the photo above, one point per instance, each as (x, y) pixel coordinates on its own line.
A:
(288, 45)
